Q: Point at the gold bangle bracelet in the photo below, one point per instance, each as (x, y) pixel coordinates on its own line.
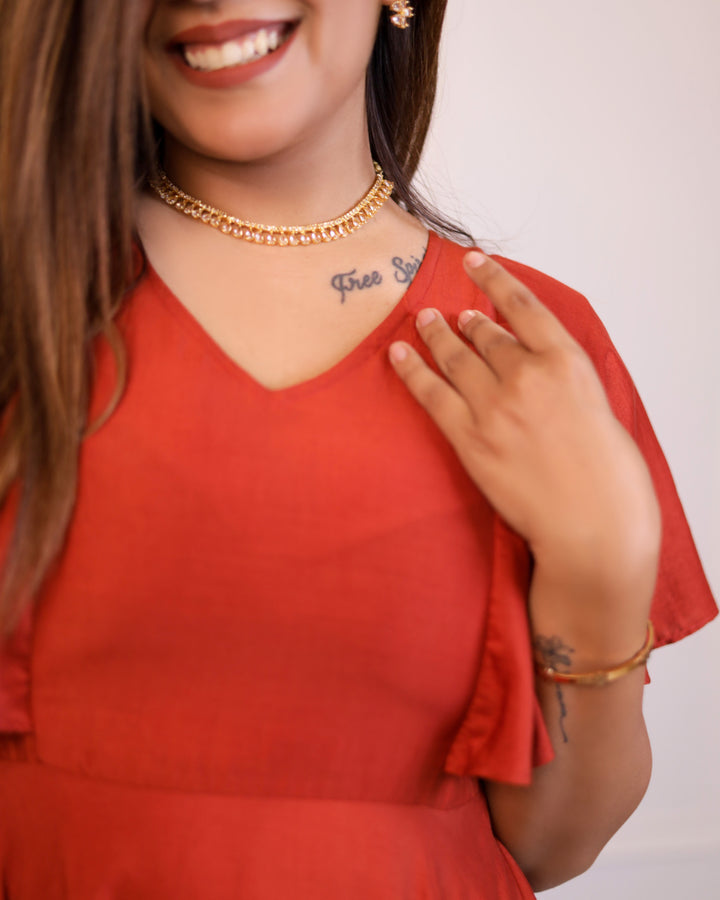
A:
(601, 676)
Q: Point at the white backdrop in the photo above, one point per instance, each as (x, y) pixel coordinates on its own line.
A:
(584, 139)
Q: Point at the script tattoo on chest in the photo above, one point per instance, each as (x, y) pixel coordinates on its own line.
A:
(403, 270)
(347, 282)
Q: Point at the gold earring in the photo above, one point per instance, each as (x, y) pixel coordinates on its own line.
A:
(402, 11)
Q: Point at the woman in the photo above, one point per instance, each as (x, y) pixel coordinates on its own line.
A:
(295, 516)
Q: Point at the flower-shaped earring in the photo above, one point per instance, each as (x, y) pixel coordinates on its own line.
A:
(401, 13)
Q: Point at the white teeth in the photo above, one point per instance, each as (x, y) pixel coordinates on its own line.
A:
(233, 53)
(248, 49)
(216, 57)
(262, 44)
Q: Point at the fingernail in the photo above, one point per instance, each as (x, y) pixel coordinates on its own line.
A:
(465, 317)
(425, 317)
(398, 352)
(475, 259)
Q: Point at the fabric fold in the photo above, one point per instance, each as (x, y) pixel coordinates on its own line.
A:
(503, 735)
(683, 601)
(15, 659)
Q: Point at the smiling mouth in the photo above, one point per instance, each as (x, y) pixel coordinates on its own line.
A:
(236, 52)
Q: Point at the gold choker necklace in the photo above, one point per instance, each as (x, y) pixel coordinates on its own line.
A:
(277, 235)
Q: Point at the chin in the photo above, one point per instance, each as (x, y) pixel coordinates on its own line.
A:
(240, 148)
(244, 138)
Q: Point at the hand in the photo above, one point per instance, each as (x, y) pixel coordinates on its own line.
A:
(529, 420)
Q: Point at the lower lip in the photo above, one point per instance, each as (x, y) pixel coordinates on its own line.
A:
(234, 75)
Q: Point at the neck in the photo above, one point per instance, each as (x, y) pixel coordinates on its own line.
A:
(292, 188)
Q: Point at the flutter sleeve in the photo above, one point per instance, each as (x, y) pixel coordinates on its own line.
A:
(683, 602)
(503, 735)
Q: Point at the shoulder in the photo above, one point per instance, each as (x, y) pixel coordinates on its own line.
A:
(570, 306)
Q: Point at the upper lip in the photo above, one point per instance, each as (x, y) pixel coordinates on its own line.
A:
(224, 31)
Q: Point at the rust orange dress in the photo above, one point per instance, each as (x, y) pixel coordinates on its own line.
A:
(287, 637)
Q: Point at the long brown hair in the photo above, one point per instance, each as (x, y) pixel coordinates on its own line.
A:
(75, 145)
(400, 96)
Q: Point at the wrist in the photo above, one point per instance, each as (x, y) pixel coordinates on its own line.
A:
(557, 668)
(600, 622)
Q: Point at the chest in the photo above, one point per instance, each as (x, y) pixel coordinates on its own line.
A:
(283, 328)
(254, 577)
(284, 315)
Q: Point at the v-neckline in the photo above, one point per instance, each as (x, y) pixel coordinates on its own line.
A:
(410, 301)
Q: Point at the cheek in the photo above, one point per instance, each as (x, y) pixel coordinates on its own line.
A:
(154, 63)
(160, 94)
(345, 34)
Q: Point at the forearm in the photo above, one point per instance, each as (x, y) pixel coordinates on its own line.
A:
(556, 827)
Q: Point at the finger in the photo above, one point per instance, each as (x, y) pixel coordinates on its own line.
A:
(500, 350)
(460, 364)
(439, 399)
(533, 324)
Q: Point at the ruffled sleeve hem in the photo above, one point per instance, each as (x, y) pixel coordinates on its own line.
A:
(683, 601)
(503, 735)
